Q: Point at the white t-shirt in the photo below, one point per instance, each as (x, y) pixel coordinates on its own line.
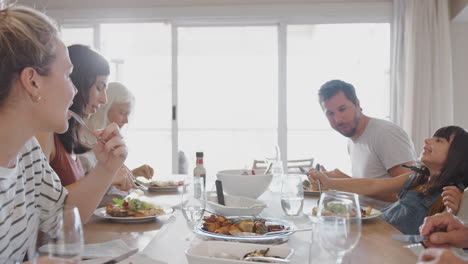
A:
(382, 146)
(30, 187)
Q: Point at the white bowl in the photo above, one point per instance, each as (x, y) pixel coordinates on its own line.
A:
(208, 252)
(235, 205)
(252, 186)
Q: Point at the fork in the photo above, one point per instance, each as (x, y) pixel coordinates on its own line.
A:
(317, 168)
(129, 172)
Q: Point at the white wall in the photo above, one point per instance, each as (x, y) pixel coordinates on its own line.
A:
(459, 32)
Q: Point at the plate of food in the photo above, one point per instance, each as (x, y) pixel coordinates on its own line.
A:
(131, 211)
(160, 185)
(244, 229)
(366, 212)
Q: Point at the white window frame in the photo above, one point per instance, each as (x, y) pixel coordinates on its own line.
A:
(243, 15)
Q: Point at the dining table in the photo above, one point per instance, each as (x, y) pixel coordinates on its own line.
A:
(166, 238)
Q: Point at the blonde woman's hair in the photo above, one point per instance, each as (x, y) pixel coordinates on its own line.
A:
(116, 93)
(27, 39)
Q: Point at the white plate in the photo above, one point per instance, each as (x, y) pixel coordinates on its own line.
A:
(374, 213)
(207, 252)
(311, 193)
(152, 188)
(275, 238)
(101, 212)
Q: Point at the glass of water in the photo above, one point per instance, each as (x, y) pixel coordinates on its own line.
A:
(63, 243)
(292, 194)
(339, 222)
(193, 201)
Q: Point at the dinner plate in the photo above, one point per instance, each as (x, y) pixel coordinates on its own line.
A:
(274, 238)
(152, 188)
(101, 213)
(374, 213)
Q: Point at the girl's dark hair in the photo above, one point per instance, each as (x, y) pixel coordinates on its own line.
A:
(455, 169)
(87, 66)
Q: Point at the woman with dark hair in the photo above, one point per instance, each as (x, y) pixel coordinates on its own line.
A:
(89, 76)
(435, 186)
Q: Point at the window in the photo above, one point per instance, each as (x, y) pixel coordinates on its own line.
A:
(356, 53)
(227, 94)
(227, 88)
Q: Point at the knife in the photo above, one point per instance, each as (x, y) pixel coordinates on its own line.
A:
(121, 257)
(219, 192)
(410, 238)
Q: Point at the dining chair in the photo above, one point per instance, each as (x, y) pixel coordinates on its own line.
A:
(293, 165)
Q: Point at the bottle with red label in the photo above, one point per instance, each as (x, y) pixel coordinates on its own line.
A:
(199, 172)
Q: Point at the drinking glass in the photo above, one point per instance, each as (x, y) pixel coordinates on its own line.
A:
(62, 244)
(292, 194)
(339, 222)
(193, 201)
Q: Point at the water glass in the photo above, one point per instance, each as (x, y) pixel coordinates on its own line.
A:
(292, 194)
(193, 200)
(62, 244)
(338, 222)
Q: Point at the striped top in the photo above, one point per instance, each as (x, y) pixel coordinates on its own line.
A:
(30, 187)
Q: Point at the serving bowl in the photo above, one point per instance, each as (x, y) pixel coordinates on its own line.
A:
(211, 252)
(235, 182)
(235, 205)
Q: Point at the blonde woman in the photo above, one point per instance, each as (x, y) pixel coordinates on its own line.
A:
(35, 95)
(120, 104)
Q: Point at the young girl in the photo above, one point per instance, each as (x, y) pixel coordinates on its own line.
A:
(435, 186)
(35, 94)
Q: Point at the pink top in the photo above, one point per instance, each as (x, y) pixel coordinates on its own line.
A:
(68, 169)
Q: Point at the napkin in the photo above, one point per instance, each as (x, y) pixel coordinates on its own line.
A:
(136, 259)
(106, 249)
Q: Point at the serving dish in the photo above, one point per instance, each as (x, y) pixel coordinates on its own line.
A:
(235, 205)
(251, 238)
(211, 252)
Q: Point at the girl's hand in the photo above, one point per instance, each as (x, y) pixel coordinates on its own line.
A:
(144, 170)
(112, 154)
(451, 197)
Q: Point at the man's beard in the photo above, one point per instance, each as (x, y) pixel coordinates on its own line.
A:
(354, 130)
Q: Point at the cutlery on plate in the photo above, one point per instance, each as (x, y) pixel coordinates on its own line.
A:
(409, 238)
(129, 172)
(121, 257)
(268, 168)
(288, 231)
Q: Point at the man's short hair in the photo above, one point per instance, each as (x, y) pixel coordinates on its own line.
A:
(331, 88)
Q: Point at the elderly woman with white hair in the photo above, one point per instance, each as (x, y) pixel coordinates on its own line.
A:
(120, 103)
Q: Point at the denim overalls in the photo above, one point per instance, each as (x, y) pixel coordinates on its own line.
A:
(408, 213)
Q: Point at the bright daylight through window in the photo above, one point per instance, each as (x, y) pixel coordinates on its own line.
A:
(227, 86)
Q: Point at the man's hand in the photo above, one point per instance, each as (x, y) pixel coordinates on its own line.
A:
(439, 256)
(444, 230)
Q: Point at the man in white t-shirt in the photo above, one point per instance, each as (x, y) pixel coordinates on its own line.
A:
(377, 148)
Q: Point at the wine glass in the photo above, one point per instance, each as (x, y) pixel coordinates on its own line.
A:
(63, 243)
(292, 194)
(339, 222)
